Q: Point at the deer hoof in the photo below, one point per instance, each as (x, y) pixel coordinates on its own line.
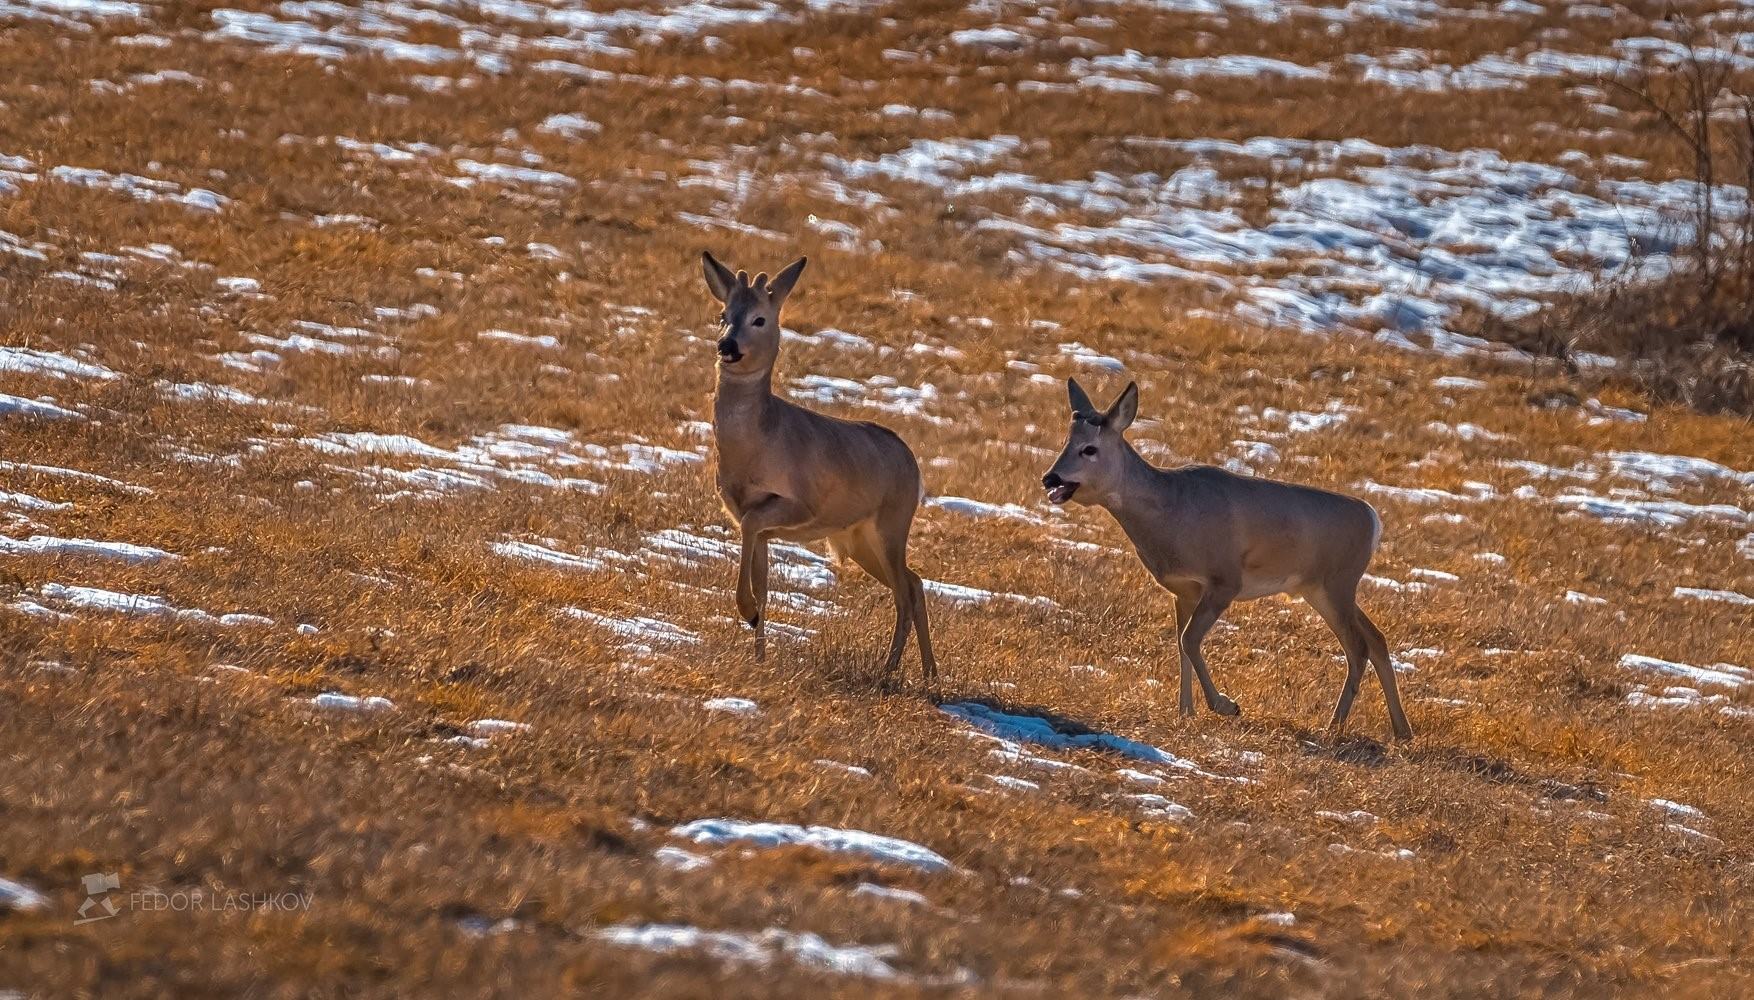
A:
(1224, 706)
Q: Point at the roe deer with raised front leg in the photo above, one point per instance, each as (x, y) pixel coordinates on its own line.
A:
(1211, 537)
(790, 473)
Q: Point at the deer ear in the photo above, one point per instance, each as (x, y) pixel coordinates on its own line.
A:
(719, 279)
(1120, 416)
(782, 283)
(1079, 398)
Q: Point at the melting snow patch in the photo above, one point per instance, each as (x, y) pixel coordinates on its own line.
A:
(1720, 674)
(736, 706)
(1085, 357)
(509, 174)
(639, 457)
(1332, 415)
(760, 949)
(513, 452)
(11, 405)
(890, 892)
(880, 392)
(569, 126)
(98, 599)
(638, 628)
(1356, 817)
(1414, 495)
(1725, 596)
(1692, 834)
(543, 341)
(1660, 513)
(982, 509)
(532, 552)
(959, 594)
(1161, 807)
(350, 703)
(1457, 382)
(893, 850)
(203, 392)
(1685, 698)
(1377, 238)
(848, 768)
(831, 337)
(1677, 809)
(38, 545)
(680, 860)
(24, 360)
(18, 897)
(24, 501)
(1396, 585)
(995, 37)
(494, 727)
(1645, 466)
(139, 188)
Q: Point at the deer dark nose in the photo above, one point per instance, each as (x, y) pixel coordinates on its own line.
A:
(1052, 480)
(728, 348)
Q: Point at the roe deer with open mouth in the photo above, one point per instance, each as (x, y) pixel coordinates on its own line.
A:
(1211, 537)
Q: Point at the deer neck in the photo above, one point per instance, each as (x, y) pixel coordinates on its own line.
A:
(1140, 494)
(741, 401)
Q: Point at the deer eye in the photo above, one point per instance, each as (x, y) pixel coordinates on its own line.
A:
(1089, 451)
(759, 321)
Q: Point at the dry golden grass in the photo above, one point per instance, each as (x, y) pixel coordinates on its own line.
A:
(1539, 867)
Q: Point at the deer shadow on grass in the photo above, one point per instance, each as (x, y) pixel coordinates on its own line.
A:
(1360, 751)
(1501, 772)
(1363, 751)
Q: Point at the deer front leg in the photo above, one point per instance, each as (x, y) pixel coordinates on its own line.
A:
(772, 514)
(1213, 600)
(752, 594)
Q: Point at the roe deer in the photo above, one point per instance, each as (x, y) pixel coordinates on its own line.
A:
(791, 473)
(1211, 537)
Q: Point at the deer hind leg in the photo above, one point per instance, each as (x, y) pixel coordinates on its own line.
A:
(1362, 640)
(1213, 600)
(892, 531)
(1385, 675)
(1340, 611)
(1185, 599)
(923, 630)
(867, 549)
(772, 514)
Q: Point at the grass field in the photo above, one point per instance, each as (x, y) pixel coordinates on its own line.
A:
(363, 351)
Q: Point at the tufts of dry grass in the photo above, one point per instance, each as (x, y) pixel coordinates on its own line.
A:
(437, 865)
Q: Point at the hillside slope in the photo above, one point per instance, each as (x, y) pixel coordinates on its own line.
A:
(361, 561)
